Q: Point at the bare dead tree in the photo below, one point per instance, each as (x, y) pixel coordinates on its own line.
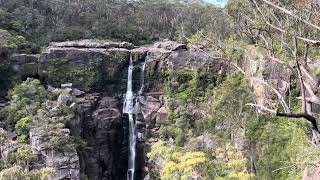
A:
(294, 28)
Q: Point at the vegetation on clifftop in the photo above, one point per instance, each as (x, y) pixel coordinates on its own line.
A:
(216, 128)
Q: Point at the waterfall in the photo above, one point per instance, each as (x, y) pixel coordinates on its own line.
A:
(128, 109)
(142, 75)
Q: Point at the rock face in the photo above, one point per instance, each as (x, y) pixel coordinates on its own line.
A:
(93, 44)
(25, 65)
(100, 68)
(15, 68)
(105, 156)
(86, 68)
(65, 163)
(261, 70)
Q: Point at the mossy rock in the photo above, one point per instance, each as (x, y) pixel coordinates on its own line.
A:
(82, 75)
(88, 69)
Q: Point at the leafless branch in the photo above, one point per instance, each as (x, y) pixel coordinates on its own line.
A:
(314, 42)
(262, 107)
(291, 14)
(280, 97)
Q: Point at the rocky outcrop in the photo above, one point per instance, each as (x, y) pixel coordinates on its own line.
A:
(93, 145)
(93, 44)
(65, 162)
(86, 68)
(15, 68)
(105, 154)
(265, 73)
(311, 173)
(100, 66)
(153, 111)
(24, 65)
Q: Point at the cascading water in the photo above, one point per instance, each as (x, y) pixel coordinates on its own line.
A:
(128, 109)
(142, 75)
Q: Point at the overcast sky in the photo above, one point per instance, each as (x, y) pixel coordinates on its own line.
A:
(218, 2)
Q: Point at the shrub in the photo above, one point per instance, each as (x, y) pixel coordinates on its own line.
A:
(22, 128)
(25, 100)
(9, 42)
(180, 164)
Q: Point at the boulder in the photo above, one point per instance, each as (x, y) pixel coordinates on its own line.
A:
(170, 45)
(311, 173)
(205, 143)
(149, 108)
(155, 167)
(63, 100)
(77, 92)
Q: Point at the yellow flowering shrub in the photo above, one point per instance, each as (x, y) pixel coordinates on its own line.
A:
(180, 163)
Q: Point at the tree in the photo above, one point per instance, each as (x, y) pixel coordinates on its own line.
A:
(289, 34)
(25, 100)
(9, 43)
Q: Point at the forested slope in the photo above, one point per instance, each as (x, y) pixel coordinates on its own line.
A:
(238, 92)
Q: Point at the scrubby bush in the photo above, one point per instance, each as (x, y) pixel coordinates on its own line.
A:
(180, 164)
(9, 42)
(17, 173)
(22, 128)
(25, 100)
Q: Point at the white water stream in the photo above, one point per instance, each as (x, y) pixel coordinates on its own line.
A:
(128, 108)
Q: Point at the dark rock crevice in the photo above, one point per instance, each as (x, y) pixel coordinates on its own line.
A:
(104, 133)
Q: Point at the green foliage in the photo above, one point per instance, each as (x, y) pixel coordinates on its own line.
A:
(9, 42)
(189, 85)
(228, 164)
(23, 127)
(23, 138)
(228, 109)
(3, 136)
(185, 86)
(144, 21)
(180, 164)
(13, 173)
(206, 40)
(234, 48)
(280, 147)
(22, 156)
(25, 100)
(238, 7)
(285, 148)
(18, 173)
(59, 72)
(41, 174)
